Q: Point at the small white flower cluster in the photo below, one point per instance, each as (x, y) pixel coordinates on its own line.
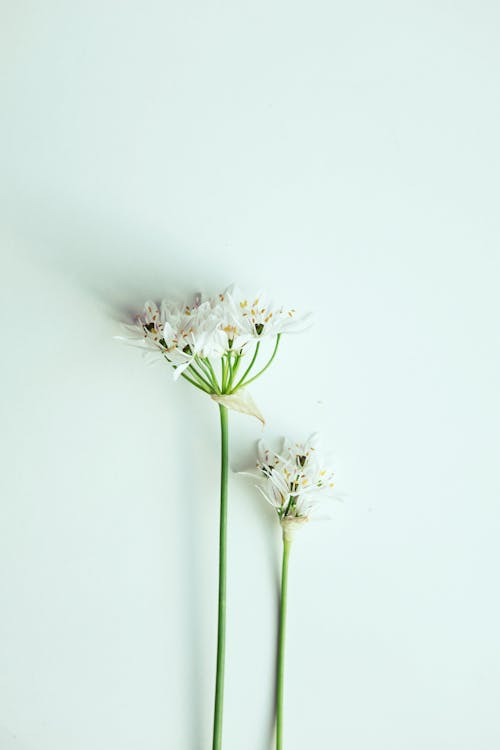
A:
(226, 327)
(296, 480)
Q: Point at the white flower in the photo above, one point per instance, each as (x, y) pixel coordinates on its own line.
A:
(214, 333)
(191, 332)
(295, 481)
(247, 318)
(179, 332)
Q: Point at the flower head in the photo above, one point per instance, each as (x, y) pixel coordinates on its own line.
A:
(204, 335)
(255, 317)
(294, 481)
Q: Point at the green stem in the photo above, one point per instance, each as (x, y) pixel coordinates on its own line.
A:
(199, 377)
(208, 372)
(234, 371)
(203, 367)
(264, 368)
(281, 645)
(224, 373)
(196, 385)
(213, 375)
(241, 380)
(229, 375)
(221, 628)
(198, 381)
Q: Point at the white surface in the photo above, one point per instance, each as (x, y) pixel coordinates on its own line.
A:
(344, 156)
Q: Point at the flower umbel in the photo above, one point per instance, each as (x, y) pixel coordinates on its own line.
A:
(207, 341)
(214, 343)
(294, 481)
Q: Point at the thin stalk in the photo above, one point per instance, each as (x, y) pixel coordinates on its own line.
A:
(234, 370)
(196, 385)
(199, 377)
(221, 628)
(229, 374)
(252, 362)
(203, 367)
(198, 382)
(281, 645)
(206, 366)
(225, 368)
(214, 376)
(266, 366)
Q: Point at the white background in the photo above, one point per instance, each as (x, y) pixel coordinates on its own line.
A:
(345, 157)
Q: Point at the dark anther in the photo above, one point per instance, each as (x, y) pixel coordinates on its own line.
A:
(187, 349)
(259, 327)
(149, 326)
(301, 460)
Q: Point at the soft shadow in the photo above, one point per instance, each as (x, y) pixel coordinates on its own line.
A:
(101, 259)
(10, 741)
(196, 428)
(119, 266)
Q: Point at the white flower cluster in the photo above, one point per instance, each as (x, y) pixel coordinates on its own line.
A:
(296, 480)
(192, 336)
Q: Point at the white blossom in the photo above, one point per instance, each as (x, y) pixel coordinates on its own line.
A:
(296, 481)
(255, 317)
(216, 333)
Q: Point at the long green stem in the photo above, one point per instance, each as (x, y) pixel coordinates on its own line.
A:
(225, 372)
(268, 364)
(206, 367)
(198, 381)
(287, 544)
(234, 371)
(197, 385)
(221, 628)
(199, 377)
(252, 361)
(214, 376)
